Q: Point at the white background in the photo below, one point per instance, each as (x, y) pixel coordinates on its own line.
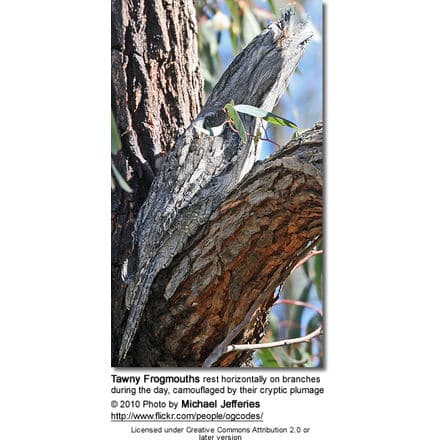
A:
(382, 260)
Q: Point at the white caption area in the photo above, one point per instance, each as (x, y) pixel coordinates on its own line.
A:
(215, 405)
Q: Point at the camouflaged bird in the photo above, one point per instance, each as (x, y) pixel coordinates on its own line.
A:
(208, 160)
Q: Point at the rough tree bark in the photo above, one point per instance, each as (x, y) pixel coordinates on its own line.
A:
(209, 246)
(154, 53)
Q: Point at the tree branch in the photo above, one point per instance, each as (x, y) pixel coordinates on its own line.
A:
(224, 280)
(282, 343)
(276, 218)
(202, 243)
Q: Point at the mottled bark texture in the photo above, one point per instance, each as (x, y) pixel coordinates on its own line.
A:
(156, 93)
(211, 242)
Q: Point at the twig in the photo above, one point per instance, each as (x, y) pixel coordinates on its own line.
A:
(231, 125)
(311, 254)
(296, 302)
(266, 138)
(306, 338)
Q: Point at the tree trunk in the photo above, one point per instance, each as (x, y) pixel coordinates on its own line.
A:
(211, 241)
(156, 92)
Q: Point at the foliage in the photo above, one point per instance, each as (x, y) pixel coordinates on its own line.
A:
(264, 114)
(236, 120)
(237, 124)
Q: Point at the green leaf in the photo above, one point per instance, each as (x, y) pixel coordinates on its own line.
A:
(233, 8)
(235, 24)
(295, 135)
(116, 140)
(272, 7)
(251, 27)
(238, 123)
(122, 183)
(267, 359)
(258, 135)
(264, 114)
(234, 40)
